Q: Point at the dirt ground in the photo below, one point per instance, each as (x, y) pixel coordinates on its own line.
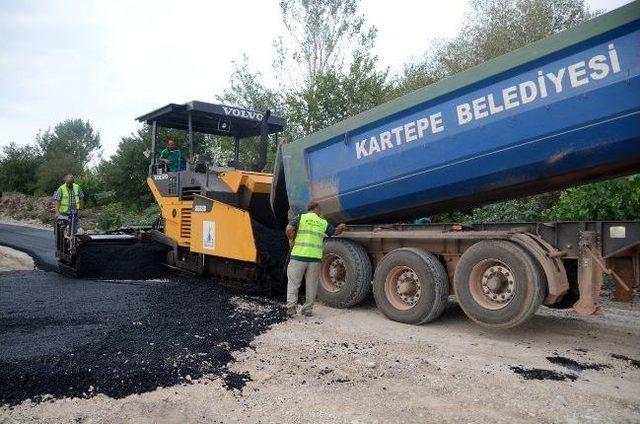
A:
(355, 366)
(38, 212)
(14, 260)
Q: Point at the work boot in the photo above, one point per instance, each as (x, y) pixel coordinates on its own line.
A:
(291, 311)
(307, 313)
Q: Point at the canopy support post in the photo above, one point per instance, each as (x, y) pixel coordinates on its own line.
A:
(236, 149)
(190, 136)
(154, 136)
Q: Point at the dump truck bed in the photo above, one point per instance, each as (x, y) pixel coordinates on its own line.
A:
(562, 111)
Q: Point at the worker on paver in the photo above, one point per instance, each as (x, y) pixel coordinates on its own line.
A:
(172, 157)
(69, 199)
(307, 233)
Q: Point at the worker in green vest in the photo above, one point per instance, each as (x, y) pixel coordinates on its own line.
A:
(69, 199)
(307, 233)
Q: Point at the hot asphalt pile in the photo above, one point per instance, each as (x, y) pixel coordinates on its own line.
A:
(273, 246)
(76, 338)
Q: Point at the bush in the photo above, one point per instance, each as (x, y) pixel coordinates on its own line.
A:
(150, 214)
(47, 217)
(50, 174)
(92, 186)
(617, 199)
(115, 215)
(526, 209)
(18, 166)
(110, 217)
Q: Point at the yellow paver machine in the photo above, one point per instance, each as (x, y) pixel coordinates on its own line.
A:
(215, 220)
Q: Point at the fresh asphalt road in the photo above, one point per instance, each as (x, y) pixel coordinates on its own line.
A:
(34, 241)
(70, 337)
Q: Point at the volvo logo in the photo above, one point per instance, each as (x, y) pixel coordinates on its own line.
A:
(242, 113)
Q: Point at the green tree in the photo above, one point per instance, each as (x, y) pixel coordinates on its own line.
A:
(492, 28)
(335, 95)
(18, 166)
(607, 200)
(93, 187)
(322, 36)
(323, 68)
(246, 90)
(125, 172)
(67, 149)
(74, 137)
(52, 170)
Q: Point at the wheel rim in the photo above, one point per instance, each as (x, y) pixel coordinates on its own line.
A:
(492, 284)
(333, 273)
(402, 287)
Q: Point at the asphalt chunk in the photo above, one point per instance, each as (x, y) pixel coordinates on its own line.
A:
(236, 380)
(63, 337)
(633, 362)
(574, 365)
(542, 374)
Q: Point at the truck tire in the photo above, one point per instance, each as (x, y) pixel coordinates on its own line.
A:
(345, 273)
(498, 284)
(411, 286)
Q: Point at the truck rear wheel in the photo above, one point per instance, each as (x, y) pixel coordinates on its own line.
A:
(411, 286)
(345, 273)
(498, 284)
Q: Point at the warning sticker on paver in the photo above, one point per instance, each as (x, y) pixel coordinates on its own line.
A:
(617, 232)
(209, 234)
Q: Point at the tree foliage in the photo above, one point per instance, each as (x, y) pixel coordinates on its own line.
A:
(334, 96)
(75, 137)
(492, 28)
(40, 167)
(67, 149)
(607, 200)
(126, 171)
(322, 36)
(18, 166)
(323, 68)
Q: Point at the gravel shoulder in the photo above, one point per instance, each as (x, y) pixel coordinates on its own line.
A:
(355, 366)
(14, 260)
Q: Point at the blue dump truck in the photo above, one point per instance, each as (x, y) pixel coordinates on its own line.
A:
(560, 112)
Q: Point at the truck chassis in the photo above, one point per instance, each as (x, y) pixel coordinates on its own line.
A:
(499, 272)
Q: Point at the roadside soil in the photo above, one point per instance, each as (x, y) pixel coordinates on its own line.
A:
(38, 212)
(14, 260)
(356, 366)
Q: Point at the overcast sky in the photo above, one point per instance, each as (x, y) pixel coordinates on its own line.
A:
(111, 61)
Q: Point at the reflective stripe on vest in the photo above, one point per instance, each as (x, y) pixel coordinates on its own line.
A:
(309, 237)
(64, 200)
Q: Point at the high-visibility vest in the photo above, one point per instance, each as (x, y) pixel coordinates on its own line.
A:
(309, 237)
(64, 201)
